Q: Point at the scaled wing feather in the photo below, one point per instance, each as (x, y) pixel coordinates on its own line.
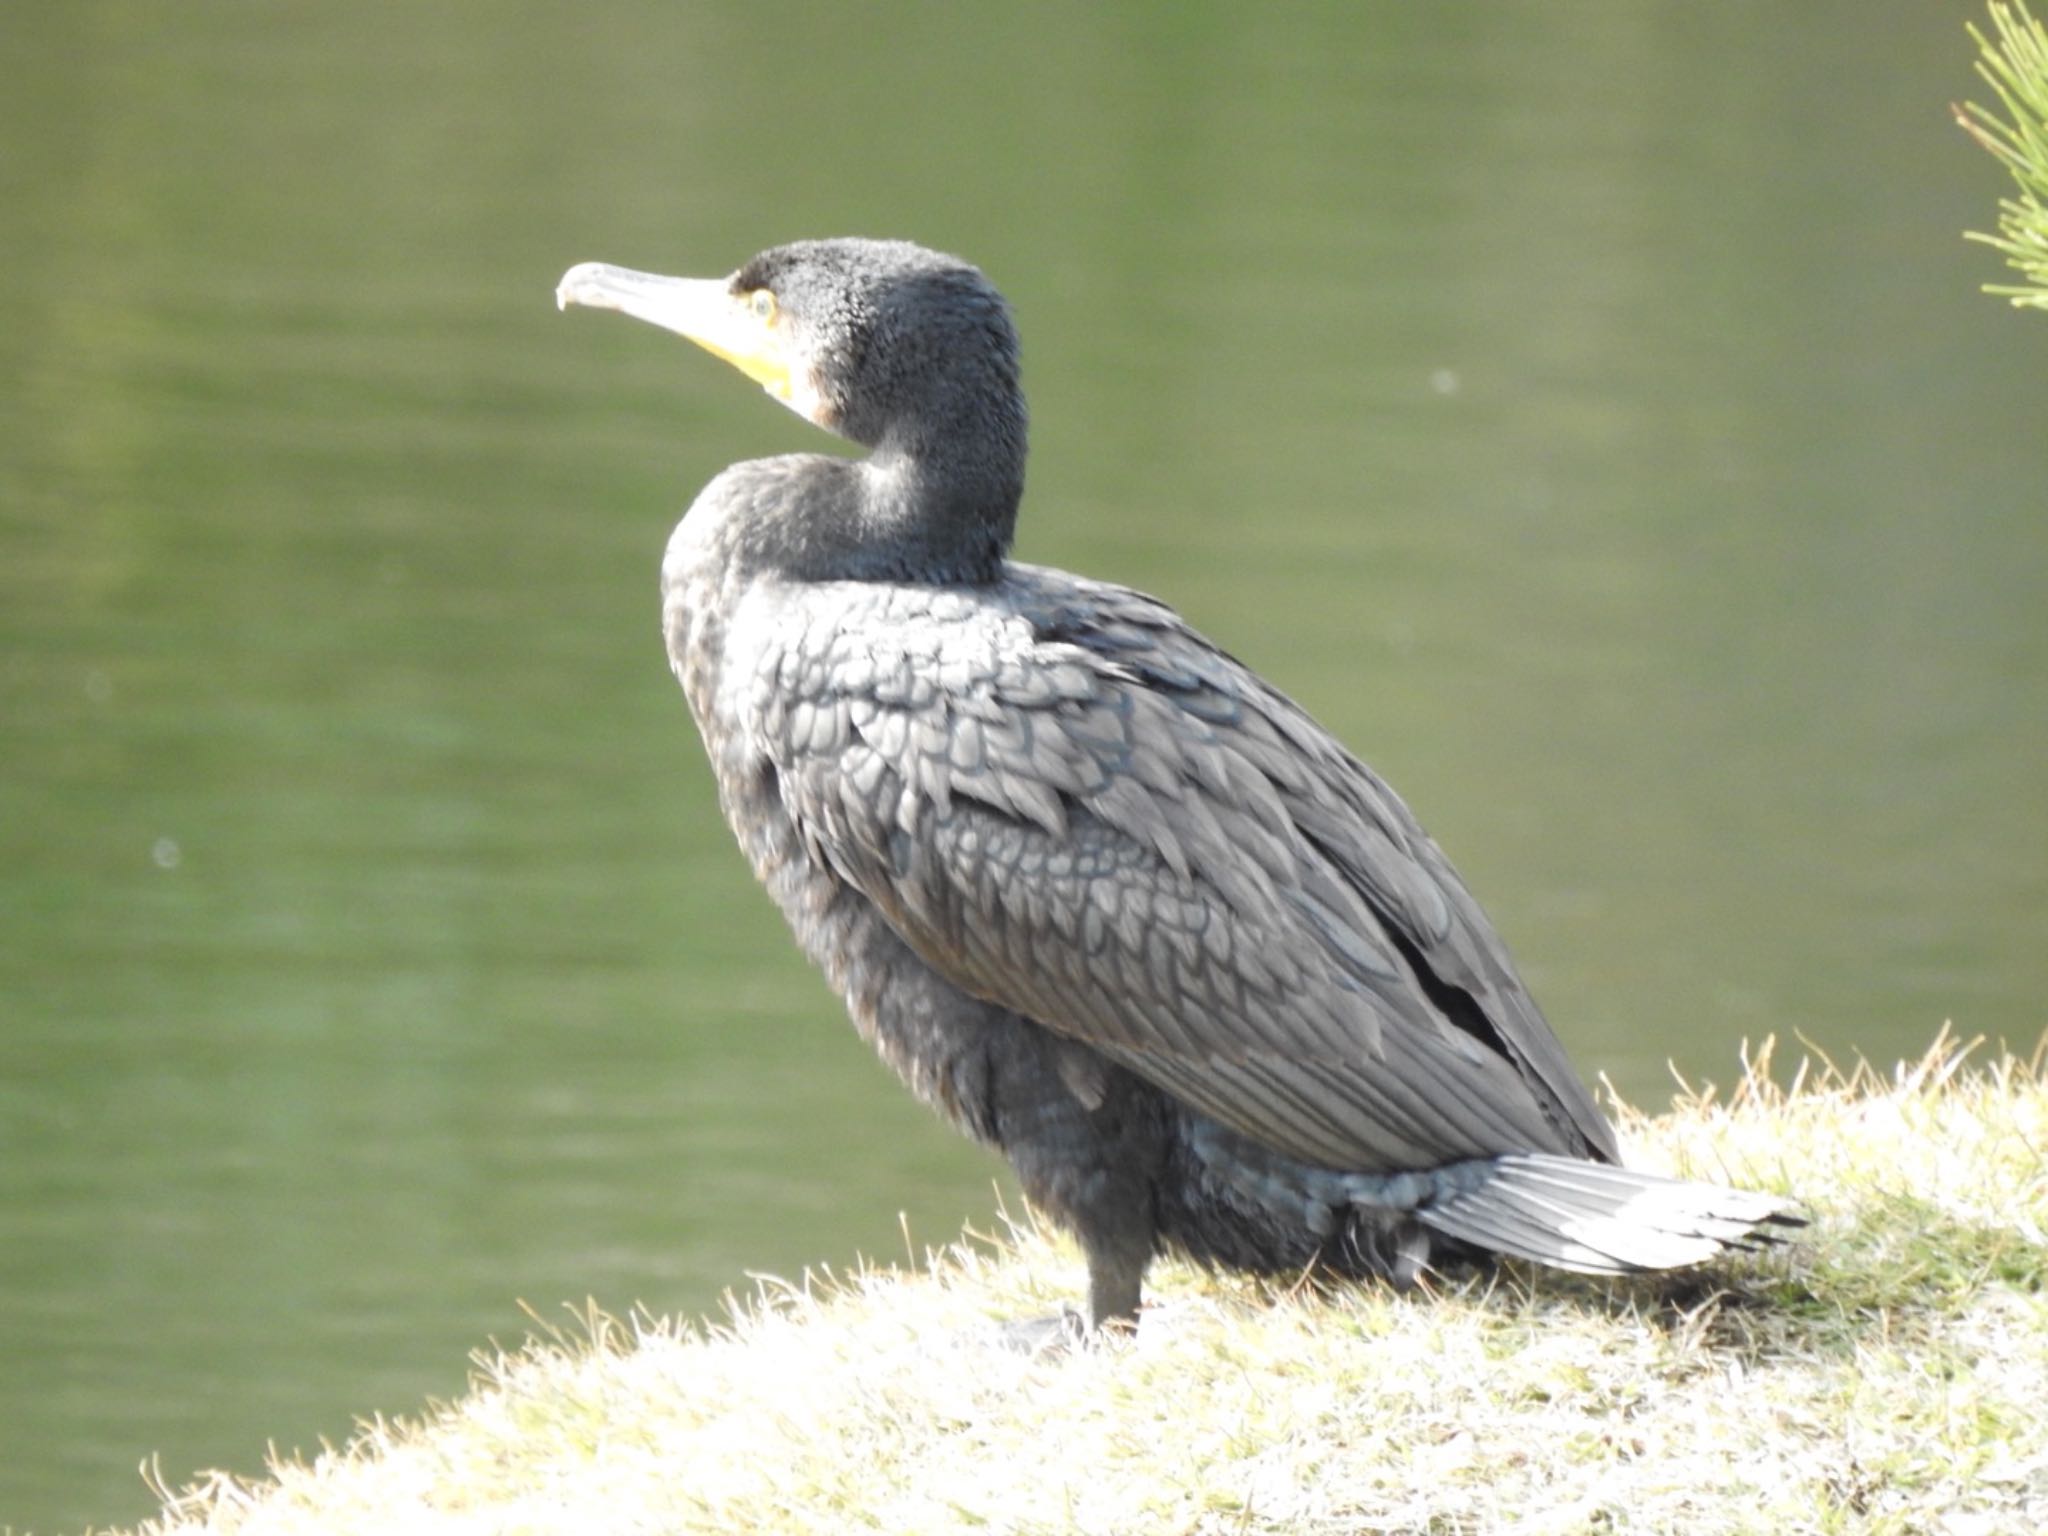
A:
(1068, 803)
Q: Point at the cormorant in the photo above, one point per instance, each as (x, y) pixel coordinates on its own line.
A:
(1105, 899)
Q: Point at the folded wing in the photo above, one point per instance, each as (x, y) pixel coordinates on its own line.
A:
(1069, 803)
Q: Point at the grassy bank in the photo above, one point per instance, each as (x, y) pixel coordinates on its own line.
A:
(1888, 1373)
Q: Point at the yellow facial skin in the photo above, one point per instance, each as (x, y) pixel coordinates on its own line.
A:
(743, 328)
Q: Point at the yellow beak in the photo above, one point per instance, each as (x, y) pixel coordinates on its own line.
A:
(704, 309)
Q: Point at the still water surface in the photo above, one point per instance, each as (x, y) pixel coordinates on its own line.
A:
(1586, 410)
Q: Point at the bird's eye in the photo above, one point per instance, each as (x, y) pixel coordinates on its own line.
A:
(762, 302)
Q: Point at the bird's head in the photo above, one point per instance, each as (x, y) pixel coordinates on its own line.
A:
(880, 341)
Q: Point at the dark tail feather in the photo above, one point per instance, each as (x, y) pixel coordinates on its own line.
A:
(1600, 1219)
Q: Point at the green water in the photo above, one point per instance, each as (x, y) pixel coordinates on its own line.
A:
(1587, 410)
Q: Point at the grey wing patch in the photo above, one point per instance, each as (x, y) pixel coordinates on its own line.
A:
(1366, 834)
(1126, 841)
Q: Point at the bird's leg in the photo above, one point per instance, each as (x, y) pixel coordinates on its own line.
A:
(1118, 1251)
(1116, 1275)
(1088, 1146)
(1115, 1282)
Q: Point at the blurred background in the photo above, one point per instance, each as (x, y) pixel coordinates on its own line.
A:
(1588, 411)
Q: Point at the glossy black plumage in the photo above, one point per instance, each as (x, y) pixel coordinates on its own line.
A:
(1102, 896)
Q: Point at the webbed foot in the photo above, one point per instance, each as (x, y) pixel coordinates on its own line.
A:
(1063, 1331)
(1050, 1337)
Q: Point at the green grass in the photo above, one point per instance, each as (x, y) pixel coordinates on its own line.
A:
(1887, 1373)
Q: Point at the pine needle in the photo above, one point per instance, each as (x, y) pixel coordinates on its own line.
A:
(2015, 66)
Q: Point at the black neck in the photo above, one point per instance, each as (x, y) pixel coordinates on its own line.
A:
(959, 512)
(884, 518)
